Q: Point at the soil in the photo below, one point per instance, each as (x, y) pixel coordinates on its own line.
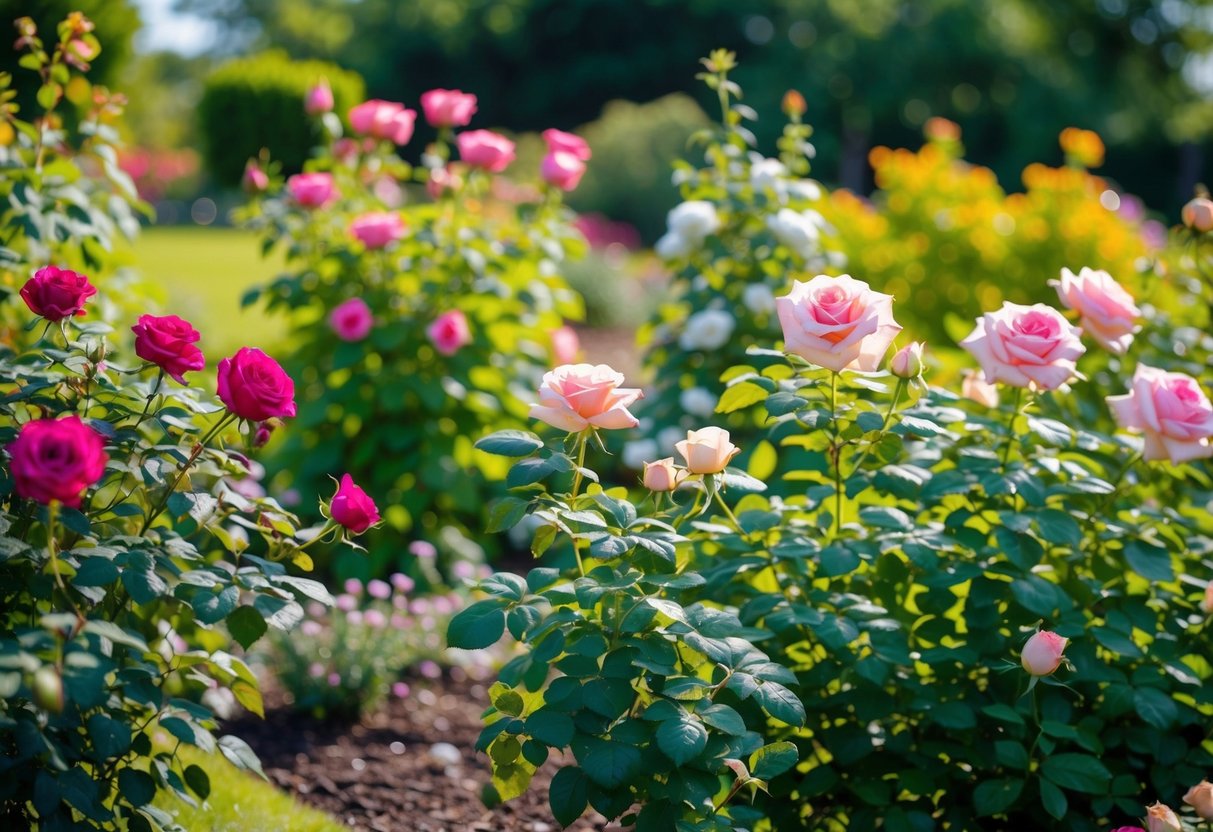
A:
(385, 774)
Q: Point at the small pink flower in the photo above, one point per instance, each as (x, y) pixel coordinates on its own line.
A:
(374, 618)
(1026, 346)
(315, 670)
(559, 141)
(429, 669)
(56, 460)
(311, 629)
(384, 120)
(442, 180)
(485, 149)
(908, 362)
(352, 320)
(1171, 410)
(574, 397)
(334, 679)
(347, 603)
(448, 108)
(1043, 652)
(463, 570)
(353, 586)
(443, 605)
(400, 690)
(563, 170)
(55, 293)
(254, 180)
(838, 323)
(319, 98)
(1198, 214)
(663, 475)
(566, 346)
(312, 190)
(402, 582)
(168, 342)
(354, 618)
(423, 549)
(352, 508)
(449, 332)
(379, 589)
(377, 229)
(398, 621)
(1108, 312)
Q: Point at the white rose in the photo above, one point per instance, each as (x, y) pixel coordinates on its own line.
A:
(795, 229)
(759, 299)
(672, 246)
(638, 452)
(769, 173)
(693, 220)
(707, 330)
(804, 189)
(697, 401)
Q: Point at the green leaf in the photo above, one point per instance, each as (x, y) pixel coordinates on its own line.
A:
(1077, 772)
(240, 755)
(478, 626)
(568, 794)
(994, 796)
(246, 625)
(110, 737)
(505, 514)
(606, 762)
(1150, 561)
(1156, 707)
(550, 727)
(510, 443)
(781, 403)
(723, 719)
(1053, 799)
(682, 739)
(116, 634)
(211, 607)
(198, 780)
(137, 787)
(741, 395)
(529, 471)
(773, 760)
(280, 613)
(780, 703)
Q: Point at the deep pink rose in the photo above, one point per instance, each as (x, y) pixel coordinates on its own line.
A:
(255, 387)
(1108, 312)
(384, 120)
(377, 229)
(449, 332)
(485, 149)
(352, 319)
(1026, 346)
(1171, 410)
(312, 190)
(1042, 654)
(566, 346)
(448, 108)
(319, 98)
(562, 142)
(352, 508)
(838, 323)
(56, 293)
(56, 459)
(574, 397)
(564, 170)
(168, 342)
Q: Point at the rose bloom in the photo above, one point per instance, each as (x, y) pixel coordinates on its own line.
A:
(319, 98)
(838, 323)
(663, 475)
(168, 342)
(1171, 411)
(561, 142)
(254, 180)
(565, 345)
(1198, 214)
(563, 170)
(255, 387)
(907, 362)
(795, 229)
(975, 387)
(1026, 346)
(56, 460)
(709, 329)
(312, 190)
(1200, 798)
(1108, 312)
(1160, 818)
(383, 120)
(352, 320)
(352, 508)
(1042, 654)
(450, 332)
(56, 293)
(485, 149)
(707, 450)
(448, 108)
(574, 397)
(377, 229)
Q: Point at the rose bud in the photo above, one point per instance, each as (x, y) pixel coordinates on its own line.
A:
(1198, 214)
(448, 108)
(352, 320)
(1160, 818)
(908, 362)
(56, 293)
(265, 430)
(485, 149)
(707, 450)
(1200, 798)
(352, 508)
(255, 387)
(168, 342)
(663, 475)
(48, 689)
(56, 460)
(793, 104)
(319, 99)
(254, 180)
(1043, 652)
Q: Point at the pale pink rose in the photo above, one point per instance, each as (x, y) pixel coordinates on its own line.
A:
(566, 346)
(384, 120)
(707, 450)
(319, 99)
(838, 323)
(1160, 818)
(574, 397)
(1026, 346)
(352, 320)
(377, 229)
(563, 170)
(1042, 654)
(1108, 312)
(448, 108)
(1171, 411)
(485, 149)
(975, 387)
(663, 475)
(908, 361)
(312, 190)
(1198, 214)
(449, 332)
(1200, 798)
(561, 142)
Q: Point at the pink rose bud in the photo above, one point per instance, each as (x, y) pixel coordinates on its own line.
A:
(334, 679)
(255, 387)
(402, 582)
(315, 670)
(352, 320)
(168, 342)
(1206, 603)
(265, 430)
(1108, 312)
(663, 475)
(574, 397)
(566, 346)
(1026, 346)
(442, 180)
(707, 450)
(379, 589)
(1171, 410)
(387, 120)
(1198, 214)
(1160, 818)
(352, 508)
(563, 170)
(1200, 798)
(56, 293)
(838, 323)
(347, 603)
(423, 549)
(319, 98)
(353, 586)
(561, 142)
(254, 180)
(1042, 654)
(377, 229)
(312, 190)
(908, 361)
(448, 108)
(976, 387)
(400, 690)
(485, 149)
(449, 332)
(56, 460)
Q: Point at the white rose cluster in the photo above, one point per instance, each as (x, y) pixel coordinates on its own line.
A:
(688, 225)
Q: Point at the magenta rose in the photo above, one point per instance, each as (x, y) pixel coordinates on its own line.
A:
(574, 397)
(448, 108)
(838, 323)
(352, 508)
(56, 460)
(485, 149)
(564, 170)
(449, 332)
(1171, 411)
(168, 342)
(377, 229)
(319, 98)
(1108, 312)
(255, 387)
(352, 320)
(1026, 346)
(312, 190)
(561, 142)
(384, 120)
(56, 293)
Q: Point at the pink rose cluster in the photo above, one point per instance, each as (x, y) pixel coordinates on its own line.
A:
(564, 164)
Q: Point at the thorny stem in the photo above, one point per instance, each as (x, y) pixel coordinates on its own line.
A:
(582, 441)
(184, 469)
(1006, 451)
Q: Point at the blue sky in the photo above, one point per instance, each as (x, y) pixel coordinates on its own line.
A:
(166, 29)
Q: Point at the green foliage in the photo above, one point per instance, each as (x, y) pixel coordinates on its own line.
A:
(257, 102)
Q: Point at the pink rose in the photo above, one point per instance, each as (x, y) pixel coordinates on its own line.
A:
(352, 508)
(319, 98)
(449, 332)
(1171, 410)
(384, 120)
(56, 293)
(352, 320)
(1160, 818)
(485, 149)
(312, 190)
(563, 170)
(1198, 214)
(448, 108)
(908, 362)
(707, 450)
(566, 346)
(975, 387)
(663, 475)
(574, 397)
(1026, 345)
(56, 460)
(1200, 798)
(168, 342)
(255, 387)
(254, 180)
(562, 142)
(1042, 654)
(377, 229)
(838, 323)
(1108, 312)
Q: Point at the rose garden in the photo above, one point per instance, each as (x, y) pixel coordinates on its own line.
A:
(849, 542)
